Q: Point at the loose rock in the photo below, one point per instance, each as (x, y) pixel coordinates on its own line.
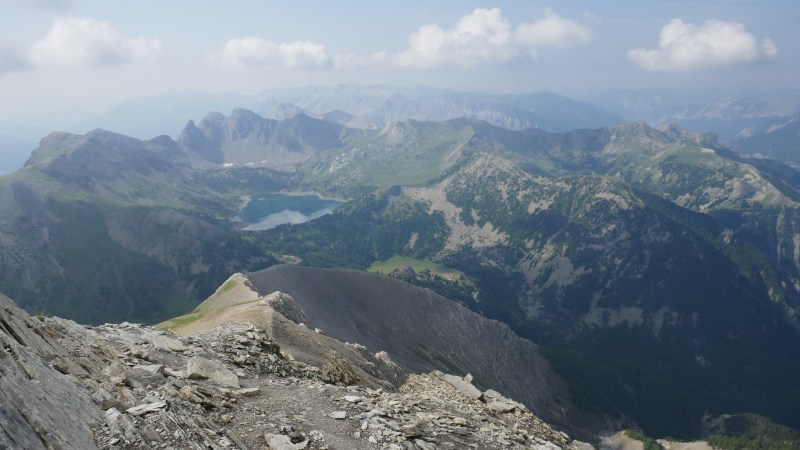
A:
(202, 368)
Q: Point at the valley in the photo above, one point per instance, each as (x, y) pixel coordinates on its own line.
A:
(654, 262)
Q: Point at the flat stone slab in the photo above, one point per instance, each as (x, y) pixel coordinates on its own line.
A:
(162, 342)
(501, 407)
(201, 368)
(246, 392)
(279, 442)
(146, 408)
(339, 415)
(462, 386)
(152, 369)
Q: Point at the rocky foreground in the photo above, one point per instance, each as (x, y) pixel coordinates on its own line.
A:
(64, 385)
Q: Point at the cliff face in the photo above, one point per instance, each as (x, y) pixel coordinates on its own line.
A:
(41, 404)
(64, 385)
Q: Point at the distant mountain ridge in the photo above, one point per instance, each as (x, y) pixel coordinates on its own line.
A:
(384, 104)
(353, 105)
(780, 142)
(746, 122)
(245, 138)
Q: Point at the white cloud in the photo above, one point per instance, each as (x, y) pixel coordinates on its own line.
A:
(481, 37)
(351, 61)
(485, 36)
(257, 52)
(552, 31)
(78, 42)
(715, 43)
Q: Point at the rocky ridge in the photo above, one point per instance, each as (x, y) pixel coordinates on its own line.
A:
(64, 385)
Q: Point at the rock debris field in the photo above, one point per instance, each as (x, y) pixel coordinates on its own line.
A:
(127, 386)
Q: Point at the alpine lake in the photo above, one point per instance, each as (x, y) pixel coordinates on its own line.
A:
(264, 213)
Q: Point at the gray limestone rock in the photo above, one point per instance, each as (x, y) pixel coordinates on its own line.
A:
(463, 387)
(279, 442)
(162, 342)
(336, 370)
(146, 408)
(285, 304)
(57, 377)
(340, 415)
(501, 407)
(152, 369)
(39, 407)
(492, 395)
(202, 368)
(246, 392)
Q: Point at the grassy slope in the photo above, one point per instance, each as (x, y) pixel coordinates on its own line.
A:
(399, 261)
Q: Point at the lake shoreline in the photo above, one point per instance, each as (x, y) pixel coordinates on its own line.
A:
(279, 208)
(314, 193)
(245, 199)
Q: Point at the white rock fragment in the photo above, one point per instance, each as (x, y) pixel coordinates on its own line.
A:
(152, 369)
(501, 407)
(162, 342)
(279, 442)
(246, 392)
(146, 408)
(462, 386)
(174, 373)
(201, 368)
(339, 415)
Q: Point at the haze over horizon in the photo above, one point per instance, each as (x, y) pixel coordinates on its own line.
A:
(85, 56)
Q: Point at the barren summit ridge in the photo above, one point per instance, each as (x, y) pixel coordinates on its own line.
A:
(65, 386)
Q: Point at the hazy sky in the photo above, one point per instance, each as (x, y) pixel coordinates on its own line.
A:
(88, 55)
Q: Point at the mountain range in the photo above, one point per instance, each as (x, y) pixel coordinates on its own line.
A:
(780, 142)
(654, 261)
(757, 124)
(733, 116)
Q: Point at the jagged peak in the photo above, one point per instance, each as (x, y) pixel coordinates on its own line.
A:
(57, 137)
(190, 133)
(163, 140)
(677, 132)
(637, 130)
(632, 126)
(244, 114)
(213, 117)
(283, 111)
(302, 117)
(103, 134)
(60, 142)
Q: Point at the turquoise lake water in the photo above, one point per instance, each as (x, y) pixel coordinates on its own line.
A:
(268, 212)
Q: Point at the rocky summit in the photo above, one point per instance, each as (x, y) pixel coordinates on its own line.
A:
(231, 386)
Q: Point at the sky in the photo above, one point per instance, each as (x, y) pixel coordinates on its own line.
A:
(85, 56)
